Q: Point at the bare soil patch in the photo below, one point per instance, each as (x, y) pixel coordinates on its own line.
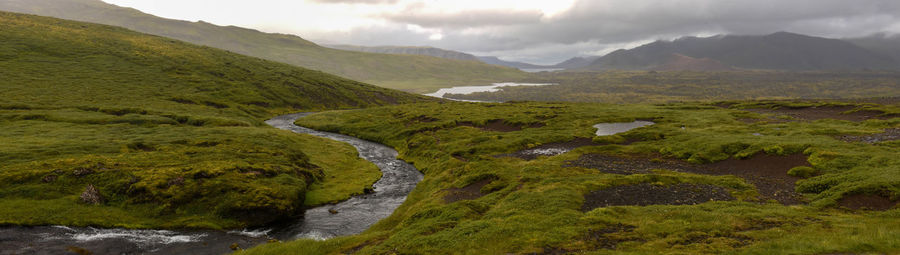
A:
(550, 149)
(825, 112)
(648, 194)
(628, 165)
(767, 172)
(867, 201)
(469, 192)
(499, 125)
(890, 134)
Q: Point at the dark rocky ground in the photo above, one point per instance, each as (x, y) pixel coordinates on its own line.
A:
(649, 194)
(767, 172)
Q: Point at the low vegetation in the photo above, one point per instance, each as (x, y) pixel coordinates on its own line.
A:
(473, 201)
(169, 134)
(664, 87)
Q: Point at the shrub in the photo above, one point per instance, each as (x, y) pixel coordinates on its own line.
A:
(802, 172)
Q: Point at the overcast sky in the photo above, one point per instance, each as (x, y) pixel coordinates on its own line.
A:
(536, 31)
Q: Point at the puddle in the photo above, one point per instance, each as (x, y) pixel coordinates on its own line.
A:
(604, 129)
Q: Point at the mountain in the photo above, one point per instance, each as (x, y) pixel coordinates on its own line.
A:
(678, 62)
(576, 62)
(520, 65)
(778, 51)
(407, 72)
(410, 50)
(881, 44)
(164, 133)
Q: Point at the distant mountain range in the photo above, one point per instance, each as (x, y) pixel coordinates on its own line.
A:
(410, 50)
(437, 52)
(881, 44)
(520, 65)
(406, 72)
(778, 51)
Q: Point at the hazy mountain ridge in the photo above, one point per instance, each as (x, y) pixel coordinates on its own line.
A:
(880, 43)
(678, 62)
(410, 50)
(409, 72)
(497, 61)
(576, 62)
(778, 51)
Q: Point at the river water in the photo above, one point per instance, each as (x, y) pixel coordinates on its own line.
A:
(352, 216)
(464, 90)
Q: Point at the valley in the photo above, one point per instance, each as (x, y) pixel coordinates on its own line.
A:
(159, 134)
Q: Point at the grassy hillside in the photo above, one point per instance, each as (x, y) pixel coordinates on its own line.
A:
(171, 134)
(406, 72)
(479, 197)
(662, 87)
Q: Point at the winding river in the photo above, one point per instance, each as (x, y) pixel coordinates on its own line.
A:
(352, 216)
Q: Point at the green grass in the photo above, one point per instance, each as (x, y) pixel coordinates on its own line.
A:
(172, 134)
(534, 206)
(419, 74)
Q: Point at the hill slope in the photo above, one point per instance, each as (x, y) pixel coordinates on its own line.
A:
(881, 44)
(778, 51)
(678, 62)
(409, 50)
(171, 134)
(576, 62)
(412, 73)
(497, 61)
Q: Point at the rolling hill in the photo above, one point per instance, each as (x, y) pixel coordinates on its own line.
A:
(170, 134)
(406, 72)
(778, 51)
(409, 50)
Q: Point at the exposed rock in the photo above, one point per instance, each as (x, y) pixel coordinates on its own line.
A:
(49, 178)
(82, 171)
(91, 195)
(176, 181)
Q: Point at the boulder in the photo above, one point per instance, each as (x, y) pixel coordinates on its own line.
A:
(91, 195)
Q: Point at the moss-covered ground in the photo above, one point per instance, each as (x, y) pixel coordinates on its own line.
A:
(536, 206)
(171, 134)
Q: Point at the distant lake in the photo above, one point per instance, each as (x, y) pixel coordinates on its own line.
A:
(464, 90)
(537, 70)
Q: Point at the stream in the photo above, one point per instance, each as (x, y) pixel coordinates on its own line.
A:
(352, 216)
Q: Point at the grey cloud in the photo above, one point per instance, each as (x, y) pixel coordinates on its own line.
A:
(596, 25)
(467, 19)
(355, 1)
